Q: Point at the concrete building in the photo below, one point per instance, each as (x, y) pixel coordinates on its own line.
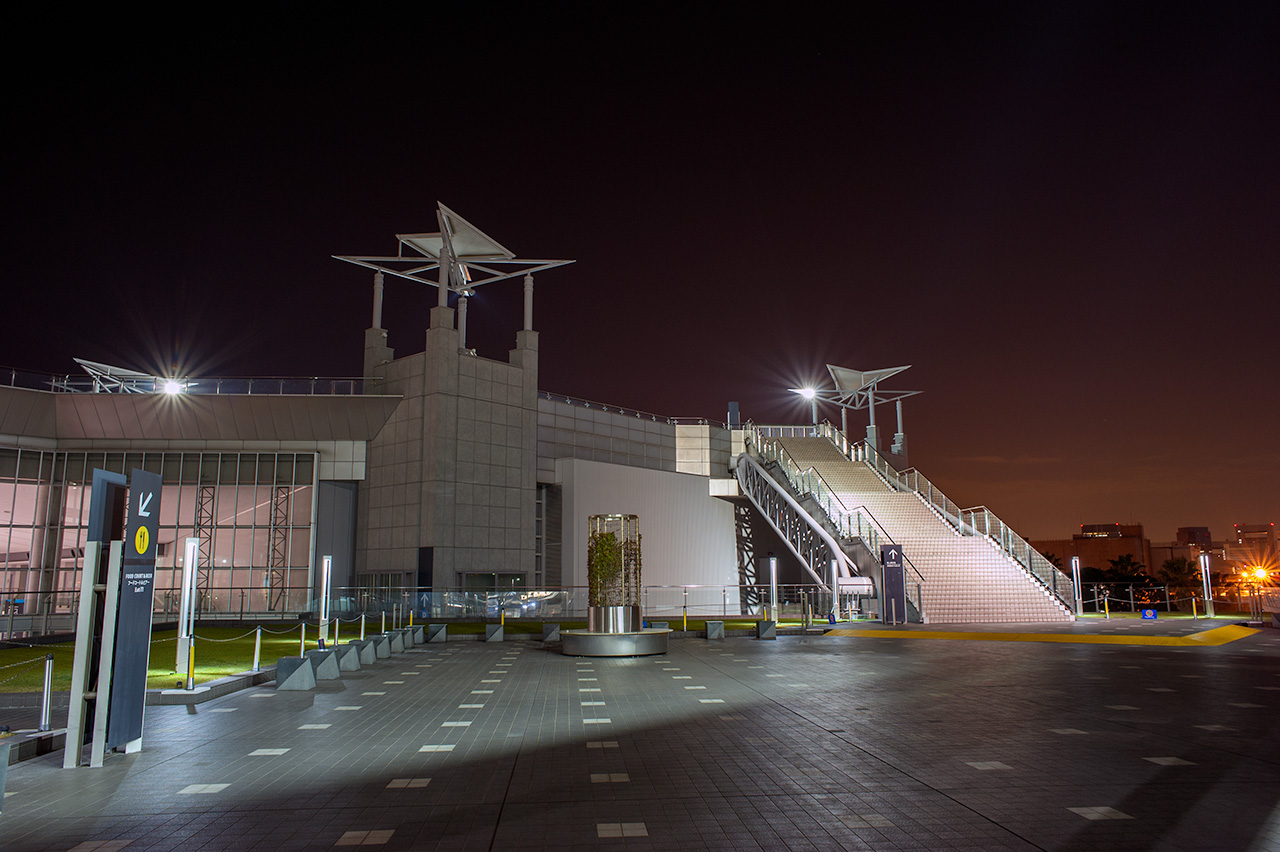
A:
(1098, 544)
(442, 472)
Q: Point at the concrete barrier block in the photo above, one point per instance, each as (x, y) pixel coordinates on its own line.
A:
(295, 673)
(407, 632)
(382, 646)
(766, 630)
(325, 664)
(348, 657)
(715, 629)
(437, 633)
(551, 632)
(397, 642)
(368, 653)
(419, 634)
(659, 625)
(493, 633)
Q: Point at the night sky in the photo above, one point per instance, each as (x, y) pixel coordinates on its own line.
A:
(1066, 217)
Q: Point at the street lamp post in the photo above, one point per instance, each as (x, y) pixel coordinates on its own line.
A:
(1206, 584)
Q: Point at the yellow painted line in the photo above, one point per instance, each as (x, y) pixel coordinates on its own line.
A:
(1205, 638)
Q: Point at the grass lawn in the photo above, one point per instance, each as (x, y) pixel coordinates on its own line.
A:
(222, 651)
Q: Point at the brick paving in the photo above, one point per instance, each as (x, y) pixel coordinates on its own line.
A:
(804, 743)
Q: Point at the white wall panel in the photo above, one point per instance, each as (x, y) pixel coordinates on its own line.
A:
(688, 535)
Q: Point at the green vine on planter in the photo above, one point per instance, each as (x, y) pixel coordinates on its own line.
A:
(604, 570)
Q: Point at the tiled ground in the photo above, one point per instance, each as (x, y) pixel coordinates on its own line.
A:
(803, 743)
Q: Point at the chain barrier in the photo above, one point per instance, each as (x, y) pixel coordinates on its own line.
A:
(233, 639)
(28, 664)
(37, 644)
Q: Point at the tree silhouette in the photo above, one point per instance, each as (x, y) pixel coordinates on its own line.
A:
(1181, 575)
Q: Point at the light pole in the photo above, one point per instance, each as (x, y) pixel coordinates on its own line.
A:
(811, 395)
(186, 612)
(1075, 581)
(1206, 585)
(327, 569)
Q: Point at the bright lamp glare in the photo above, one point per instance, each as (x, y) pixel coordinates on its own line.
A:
(808, 393)
(172, 387)
(1260, 573)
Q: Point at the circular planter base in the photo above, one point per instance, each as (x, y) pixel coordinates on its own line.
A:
(584, 643)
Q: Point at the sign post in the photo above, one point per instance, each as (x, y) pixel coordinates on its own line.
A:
(895, 586)
(113, 637)
(133, 622)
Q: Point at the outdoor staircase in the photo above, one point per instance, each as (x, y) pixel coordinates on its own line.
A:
(967, 578)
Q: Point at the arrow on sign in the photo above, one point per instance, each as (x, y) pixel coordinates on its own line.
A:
(143, 504)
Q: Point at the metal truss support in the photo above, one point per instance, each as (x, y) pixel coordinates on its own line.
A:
(277, 569)
(803, 534)
(750, 596)
(204, 531)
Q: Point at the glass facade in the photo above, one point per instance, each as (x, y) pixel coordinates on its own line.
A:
(253, 514)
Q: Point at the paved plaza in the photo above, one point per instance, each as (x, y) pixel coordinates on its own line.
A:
(804, 743)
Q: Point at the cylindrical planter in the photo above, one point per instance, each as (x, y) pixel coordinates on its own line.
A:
(613, 619)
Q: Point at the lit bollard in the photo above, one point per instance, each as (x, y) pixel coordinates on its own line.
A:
(337, 622)
(384, 622)
(46, 701)
(191, 662)
(362, 627)
(257, 649)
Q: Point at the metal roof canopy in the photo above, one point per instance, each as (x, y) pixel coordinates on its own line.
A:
(471, 256)
(859, 388)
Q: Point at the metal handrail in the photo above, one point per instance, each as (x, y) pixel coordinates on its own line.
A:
(628, 412)
(270, 385)
(979, 521)
(857, 522)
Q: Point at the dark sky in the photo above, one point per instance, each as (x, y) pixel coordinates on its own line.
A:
(1066, 217)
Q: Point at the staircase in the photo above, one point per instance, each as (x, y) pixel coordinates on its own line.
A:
(967, 578)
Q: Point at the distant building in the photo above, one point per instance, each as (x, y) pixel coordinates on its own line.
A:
(1254, 545)
(1189, 544)
(1098, 544)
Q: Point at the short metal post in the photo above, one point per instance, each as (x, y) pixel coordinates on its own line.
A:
(384, 621)
(46, 700)
(362, 627)
(257, 649)
(302, 640)
(191, 662)
(337, 622)
(1194, 617)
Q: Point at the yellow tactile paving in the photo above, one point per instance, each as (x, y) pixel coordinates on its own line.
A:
(1216, 636)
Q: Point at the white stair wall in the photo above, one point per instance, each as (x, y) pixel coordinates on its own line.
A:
(966, 578)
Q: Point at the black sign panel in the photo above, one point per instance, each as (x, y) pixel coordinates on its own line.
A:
(895, 588)
(133, 616)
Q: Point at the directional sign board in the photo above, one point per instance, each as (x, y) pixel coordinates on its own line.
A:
(895, 588)
(133, 621)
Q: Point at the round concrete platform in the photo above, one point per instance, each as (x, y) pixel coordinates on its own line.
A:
(584, 643)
